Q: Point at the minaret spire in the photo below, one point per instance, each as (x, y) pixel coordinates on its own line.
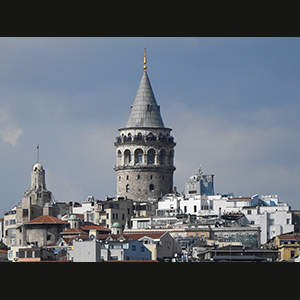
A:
(145, 59)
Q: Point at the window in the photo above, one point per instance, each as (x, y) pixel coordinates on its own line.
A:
(127, 177)
(151, 177)
(127, 188)
(195, 208)
(139, 176)
(151, 187)
(143, 224)
(185, 209)
(162, 157)
(142, 249)
(48, 237)
(127, 156)
(117, 216)
(139, 157)
(171, 154)
(249, 212)
(21, 254)
(138, 154)
(119, 158)
(133, 248)
(287, 221)
(151, 155)
(150, 158)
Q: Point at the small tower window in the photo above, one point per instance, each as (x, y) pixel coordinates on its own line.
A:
(139, 176)
(127, 188)
(151, 155)
(151, 177)
(127, 156)
(138, 155)
(162, 157)
(151, 187)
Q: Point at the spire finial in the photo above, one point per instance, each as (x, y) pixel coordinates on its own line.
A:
(37, 153)
(145, 59)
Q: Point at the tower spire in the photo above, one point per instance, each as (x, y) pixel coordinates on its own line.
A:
(145, 59)
(37, 153)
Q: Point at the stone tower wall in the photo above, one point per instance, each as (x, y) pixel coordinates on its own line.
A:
(145, 163)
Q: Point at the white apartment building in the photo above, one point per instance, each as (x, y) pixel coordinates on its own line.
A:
(272, 216)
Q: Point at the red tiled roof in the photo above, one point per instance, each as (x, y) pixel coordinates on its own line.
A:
(79, 216)
(289, 237)
(72, 231)
(46, 220)
(92, 226)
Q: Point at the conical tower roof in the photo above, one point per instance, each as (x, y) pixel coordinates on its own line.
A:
(145, 112)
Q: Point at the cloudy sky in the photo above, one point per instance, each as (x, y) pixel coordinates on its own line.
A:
(233, 104)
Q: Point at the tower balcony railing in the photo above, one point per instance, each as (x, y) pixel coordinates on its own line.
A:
(144, 139)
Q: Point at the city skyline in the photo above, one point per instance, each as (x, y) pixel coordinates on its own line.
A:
(231, 102)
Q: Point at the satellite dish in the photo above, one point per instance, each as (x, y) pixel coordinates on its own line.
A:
(91, 237)
(59, 216)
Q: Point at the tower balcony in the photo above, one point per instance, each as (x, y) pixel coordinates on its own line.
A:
(149, 139)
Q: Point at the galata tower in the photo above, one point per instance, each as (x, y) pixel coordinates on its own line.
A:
(145, 149)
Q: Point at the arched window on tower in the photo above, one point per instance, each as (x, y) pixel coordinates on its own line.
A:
(162, 157)
(139, 136)
(151, 187)
(127, 157)
(119, 158)
(138, 156)
(171, 155)
(151, 155)
(127, 188)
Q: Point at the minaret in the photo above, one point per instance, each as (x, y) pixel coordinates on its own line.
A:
(38, 181)
(35, 198)
(145, 149)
